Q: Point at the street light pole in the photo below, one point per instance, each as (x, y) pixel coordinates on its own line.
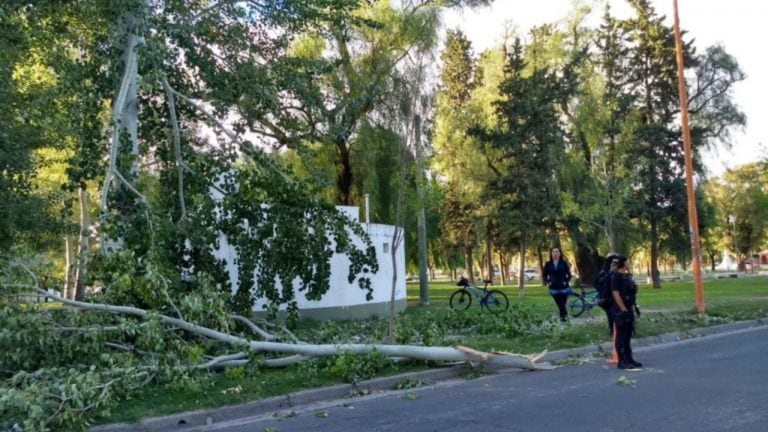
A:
(693, 219)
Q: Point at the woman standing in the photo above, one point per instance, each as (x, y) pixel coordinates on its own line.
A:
(624, 290)
(556, 275)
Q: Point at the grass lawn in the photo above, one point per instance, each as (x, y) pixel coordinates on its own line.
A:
(528, 327)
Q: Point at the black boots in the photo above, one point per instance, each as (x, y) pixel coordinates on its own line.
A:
(627, 362)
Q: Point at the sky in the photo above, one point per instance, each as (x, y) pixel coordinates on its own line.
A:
(739, 25)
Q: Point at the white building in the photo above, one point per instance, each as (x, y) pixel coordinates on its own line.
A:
(346, 300)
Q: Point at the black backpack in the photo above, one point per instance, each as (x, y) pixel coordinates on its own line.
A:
(603, 288)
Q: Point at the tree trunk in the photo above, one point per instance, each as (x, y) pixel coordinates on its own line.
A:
(82, 245)
(397, 238)
(125, 117)
(655, 254)
(587, 260)
(489, 253)
(422, 218)
(521, 270)
(67, 290)
(541, 264)
(502, 269)
(469, 262)
(344, 176)
(612, 235)
(588, 263)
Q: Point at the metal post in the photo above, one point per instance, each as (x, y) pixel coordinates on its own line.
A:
(367, 209)
(693, 221)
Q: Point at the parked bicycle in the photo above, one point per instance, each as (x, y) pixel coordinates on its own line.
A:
(583, 302)
(493, 300)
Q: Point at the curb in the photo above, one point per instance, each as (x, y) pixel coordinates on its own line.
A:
(207, 417)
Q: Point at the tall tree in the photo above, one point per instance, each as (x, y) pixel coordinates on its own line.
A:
(529, 140)
(454, 148)
(657, 149)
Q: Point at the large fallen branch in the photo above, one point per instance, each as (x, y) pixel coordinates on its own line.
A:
(302, 351)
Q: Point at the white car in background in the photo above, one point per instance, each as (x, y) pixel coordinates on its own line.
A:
(530, 274)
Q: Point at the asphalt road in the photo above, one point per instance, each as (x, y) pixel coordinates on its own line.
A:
(716, 383)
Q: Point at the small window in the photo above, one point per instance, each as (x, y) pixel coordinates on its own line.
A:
(386, 248)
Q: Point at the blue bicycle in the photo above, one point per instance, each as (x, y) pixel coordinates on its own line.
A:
(494, 301)
(583, 302)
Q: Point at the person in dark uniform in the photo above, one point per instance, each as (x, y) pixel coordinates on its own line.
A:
(624, 290)
(603, 279)
(556, 276)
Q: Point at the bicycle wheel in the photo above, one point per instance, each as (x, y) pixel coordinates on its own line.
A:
(577, 306)
(496, 301)
(461, 299)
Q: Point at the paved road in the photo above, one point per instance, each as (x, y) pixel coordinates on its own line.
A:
(717, 383)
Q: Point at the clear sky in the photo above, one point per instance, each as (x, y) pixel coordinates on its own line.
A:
(740, 25)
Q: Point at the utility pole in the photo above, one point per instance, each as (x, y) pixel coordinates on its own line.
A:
(422, 219)
(693, 219)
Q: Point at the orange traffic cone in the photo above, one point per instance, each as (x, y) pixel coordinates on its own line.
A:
(614, 355)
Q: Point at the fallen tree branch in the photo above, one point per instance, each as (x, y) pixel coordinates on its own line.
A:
(441, 354)
(254, 328)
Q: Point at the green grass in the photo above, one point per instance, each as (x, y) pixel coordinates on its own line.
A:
(668, 309)
(215, 390)
(722, 296)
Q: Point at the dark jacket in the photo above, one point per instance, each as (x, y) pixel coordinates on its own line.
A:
(627, 289)
(557, 278)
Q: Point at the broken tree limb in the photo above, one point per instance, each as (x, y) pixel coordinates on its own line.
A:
(231, 135)
(129, 76)
(176, 145)
(440, 354)
(254, 328)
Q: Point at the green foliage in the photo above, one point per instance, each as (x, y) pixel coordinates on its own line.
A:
(354, 368)
(529, 141)
(456, 76)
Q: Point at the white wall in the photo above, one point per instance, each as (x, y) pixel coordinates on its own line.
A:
(342, 294)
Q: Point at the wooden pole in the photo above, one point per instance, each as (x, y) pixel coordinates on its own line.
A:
(693, 220)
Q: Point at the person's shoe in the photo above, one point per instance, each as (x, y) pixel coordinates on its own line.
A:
(625, 365)
(636, 364)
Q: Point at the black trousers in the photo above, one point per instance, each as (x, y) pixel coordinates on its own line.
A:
(610, 318)
(624, 329)
(560, 301)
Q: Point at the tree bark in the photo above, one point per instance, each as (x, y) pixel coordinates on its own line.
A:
(67, 290)
(124, 109)
(421, 216)
(521, 270)
(502, 268)
(540, 255)
(344, 176)
(587, 260)
(469, 262)
(655, 254)
(489, 253)
(588, 263)
(170, 100)
(82, 246)
(397, 239)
